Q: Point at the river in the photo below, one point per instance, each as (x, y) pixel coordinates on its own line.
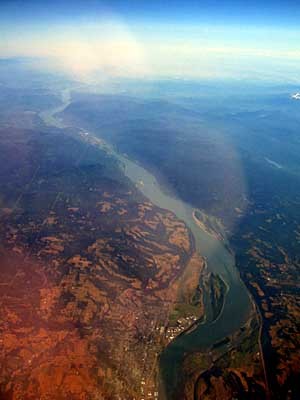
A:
(219, 260)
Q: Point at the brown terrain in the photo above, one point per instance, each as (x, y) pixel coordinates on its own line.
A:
(265, 364)
(275, 287)
(90, 273)
(232, 369)
(265, 234)
(95, 281)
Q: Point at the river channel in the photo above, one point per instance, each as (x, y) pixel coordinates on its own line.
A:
(219, 260)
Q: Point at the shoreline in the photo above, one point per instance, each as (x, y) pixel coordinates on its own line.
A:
(153, 189)
(211, 232)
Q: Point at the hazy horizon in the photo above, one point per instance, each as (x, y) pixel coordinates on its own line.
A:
(135, 39)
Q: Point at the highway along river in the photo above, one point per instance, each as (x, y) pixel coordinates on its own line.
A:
(219, 260)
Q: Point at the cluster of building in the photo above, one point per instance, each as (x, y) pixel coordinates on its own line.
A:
(149, 392)
(182, 324)
(147, 395)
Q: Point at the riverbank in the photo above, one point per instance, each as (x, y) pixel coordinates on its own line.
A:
(204, 222)
(219, 261)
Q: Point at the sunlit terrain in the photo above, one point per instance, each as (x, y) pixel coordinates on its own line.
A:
(149, 200)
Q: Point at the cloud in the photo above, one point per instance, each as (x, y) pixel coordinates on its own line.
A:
(107, 47)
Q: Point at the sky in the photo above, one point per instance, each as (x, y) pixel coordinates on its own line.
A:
(171, 39)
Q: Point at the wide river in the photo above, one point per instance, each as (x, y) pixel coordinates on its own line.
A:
(219, 260)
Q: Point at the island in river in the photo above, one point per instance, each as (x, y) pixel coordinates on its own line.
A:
(113, 278)
(201, 151)
(91, 272)
(110, 287)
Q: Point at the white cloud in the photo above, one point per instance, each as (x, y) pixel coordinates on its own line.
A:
(107, 47)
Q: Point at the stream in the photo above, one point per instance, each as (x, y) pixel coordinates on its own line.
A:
(219, 260)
